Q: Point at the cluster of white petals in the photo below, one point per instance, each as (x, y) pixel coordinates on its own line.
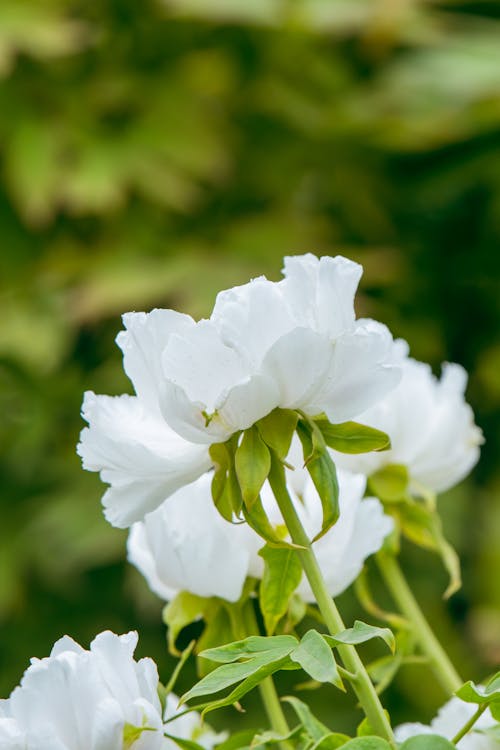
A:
(449, 721)
(88, 700)
(291, 344)
(186, 545)
(430, 424)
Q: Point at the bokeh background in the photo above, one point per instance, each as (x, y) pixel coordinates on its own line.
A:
(152, 153)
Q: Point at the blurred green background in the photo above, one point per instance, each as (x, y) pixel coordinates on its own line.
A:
(152, 153)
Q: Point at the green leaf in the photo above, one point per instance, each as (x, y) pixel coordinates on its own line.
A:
(365, 729)
(184, 609)
(390, 483)
(422, 525)
(251, 647)
(331, 741)
(273, 738)
(238, 740)
(252, 462)
(314, 728)
(316, 658)
(367, 743)
(282, 575)
(472, 693)
(277, 430)
(321, 468)
(351, 437)
(427, 742)
(227, 675)
(183, 743)
(263, 670)
(360, 633)
(218, 629)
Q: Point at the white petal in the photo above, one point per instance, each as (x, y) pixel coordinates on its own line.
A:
(143, 342)
(361, 374)
(142, 459)
(248, 402)
(190, 547)
(298, 363)
(252, 317)
(12, 737)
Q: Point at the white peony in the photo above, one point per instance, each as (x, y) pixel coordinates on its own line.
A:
(431, 428)
(84, 700)
(449, 721)
(292, 344)
(92, 700)
(186, 545)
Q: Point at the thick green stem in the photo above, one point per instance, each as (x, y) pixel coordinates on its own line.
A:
(361, 683)
(244, 623)
(443, 668)
(468, 725)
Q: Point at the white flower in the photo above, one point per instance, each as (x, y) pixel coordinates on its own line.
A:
(136, 452)
(449, 721)
(186, 545)
(292, 344)
(431, 428)
(85, 700)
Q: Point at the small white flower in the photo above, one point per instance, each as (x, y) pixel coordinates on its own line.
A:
(186, 545)
(430, 424)
(85, 700)
(449, 721)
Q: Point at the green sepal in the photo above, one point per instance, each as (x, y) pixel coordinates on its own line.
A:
(352, 437)
(390, 483)
(322, 471)
(422, 526)
(276, 430)
(226, 493)
(218, 629)
(256, 517)
(132, 733)
(427, 742)
(282, 575)
(252, 462)
(316, 659)
(184, 609)
(360, 633)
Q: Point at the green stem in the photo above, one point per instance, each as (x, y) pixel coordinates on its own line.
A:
(244, 623)
(361, 683)
(443, 668)
(468, 726)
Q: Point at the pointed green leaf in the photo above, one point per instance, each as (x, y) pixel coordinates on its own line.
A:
(316, 658)
(184, 609)
(321, 468)
(351, 437)
(314, 728)
(427, 742)
(273, 738)
(227, 675)
(282, 575)
(252, 462)
(253, 646)
(254, 678)
(472, 693)
(277, 430)
(390, 483)
(183, 743)
(360, 633)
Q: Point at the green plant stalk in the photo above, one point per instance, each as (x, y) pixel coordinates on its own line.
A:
(468, 726)
(360, 680)
(244, 623)
(439, 660)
